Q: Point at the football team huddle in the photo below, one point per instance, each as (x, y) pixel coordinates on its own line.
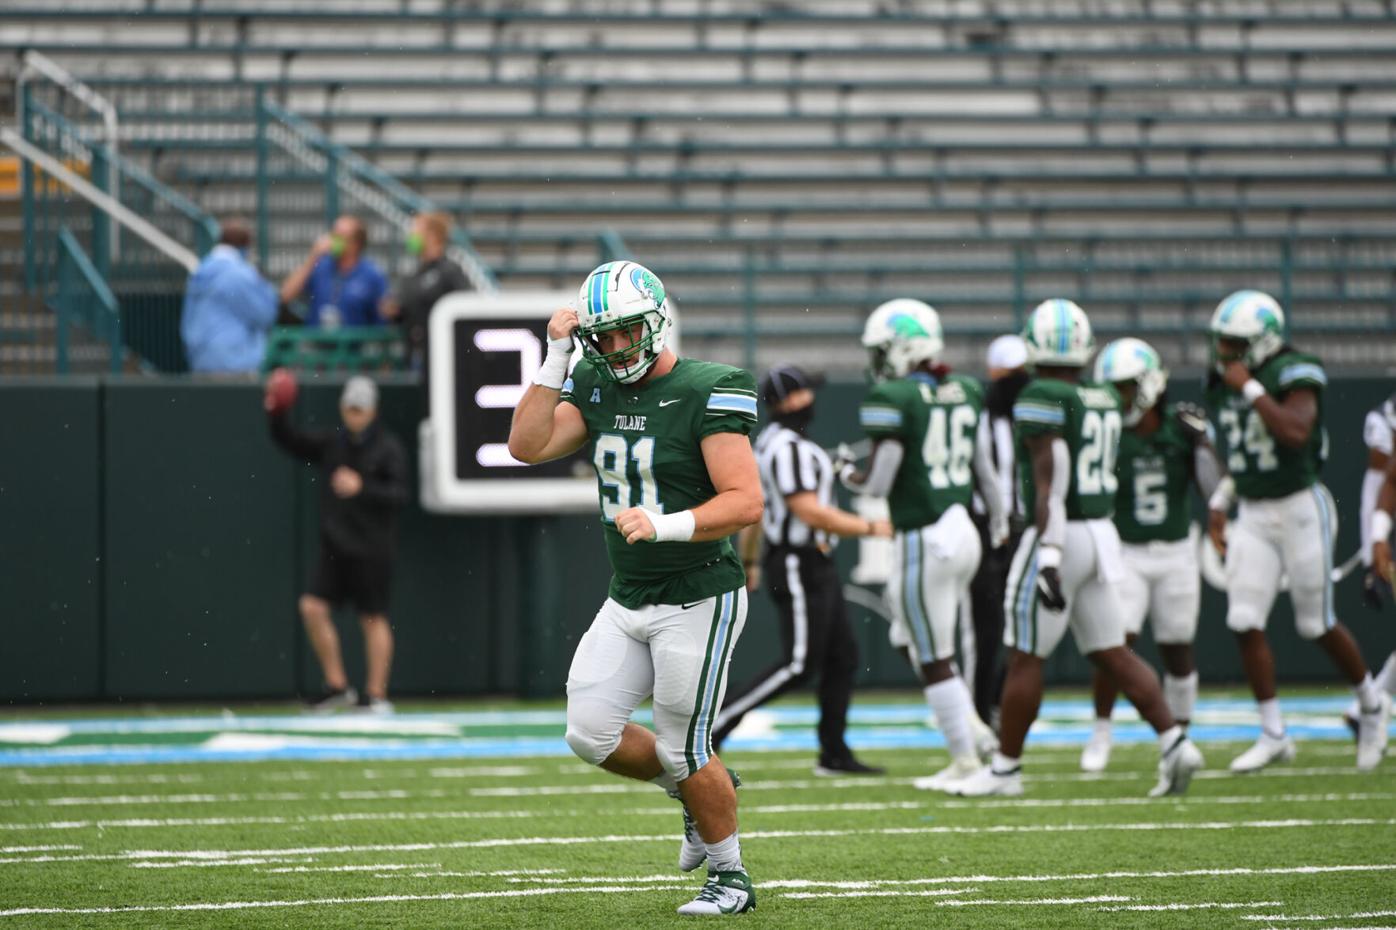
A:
(1105, 467)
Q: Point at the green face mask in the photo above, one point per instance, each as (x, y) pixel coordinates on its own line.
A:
(413, 243)
(337, 246)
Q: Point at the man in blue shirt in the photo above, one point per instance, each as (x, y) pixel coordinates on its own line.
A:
(228, 307)
(342, 287)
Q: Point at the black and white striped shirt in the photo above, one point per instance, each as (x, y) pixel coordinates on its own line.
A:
(790, 464)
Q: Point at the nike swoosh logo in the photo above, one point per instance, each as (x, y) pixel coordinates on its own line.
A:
(689, 606)
(665, 403)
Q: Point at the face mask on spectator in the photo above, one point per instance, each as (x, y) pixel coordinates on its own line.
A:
(413, 243)
(337, 246)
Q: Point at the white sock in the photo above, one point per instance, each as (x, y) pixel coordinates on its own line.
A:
(1270, 720)
(1168, 737)
(1181, 695)
(1004, 765)
(952, 705)
(726, 855)
(1100, 730)
(1368, 697)
(666, 781)
(1386, 678)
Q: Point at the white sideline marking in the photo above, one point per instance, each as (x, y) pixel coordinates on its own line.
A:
(41, 733)
(1365, 915)
(24, 778)
(127, 800)
(584, 879)
(925, 893)
(1197, 906)
(320, 902)
(1179, 801)
(1078, 877)
(484, 771)
(274, 820)
(216, 863)
(19, 849)
(499, 842)
(1034, 902)
(432, 865)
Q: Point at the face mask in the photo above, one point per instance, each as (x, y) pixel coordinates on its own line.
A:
(413, 243)
(337, 246)
(797, 420)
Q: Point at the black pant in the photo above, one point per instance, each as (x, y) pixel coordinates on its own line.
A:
(818, 640)
(986, 591)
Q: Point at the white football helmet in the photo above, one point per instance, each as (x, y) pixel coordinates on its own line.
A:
(616, 295)
(1253, 317)
(1133, 360)
(1059, 333)
(901, 334)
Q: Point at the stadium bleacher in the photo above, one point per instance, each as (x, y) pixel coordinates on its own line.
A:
(794, 167)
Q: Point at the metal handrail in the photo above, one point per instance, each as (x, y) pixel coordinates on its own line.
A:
(70, 250)
(34, 62)
(382, 193)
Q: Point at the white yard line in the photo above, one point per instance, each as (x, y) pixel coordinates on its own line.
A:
(24, 778)
(1034, 902)
(501, 842)
(323, 902)
(1079, 877)
(218, 863)
(133, 800)
(1172, 801)
(21, 849)
(1196, 906)
(1285, 918)
(434, 865)
(926, 893)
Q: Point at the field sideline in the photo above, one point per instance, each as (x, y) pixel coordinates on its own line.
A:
(408, 825)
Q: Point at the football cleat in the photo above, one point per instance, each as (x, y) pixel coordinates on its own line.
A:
(1176, 768)
(948, 777)
(985, 739)
(1096, 755)
(722, 893)
(331, 701)
(1372, 734)
(987, 782)
(1267, 749)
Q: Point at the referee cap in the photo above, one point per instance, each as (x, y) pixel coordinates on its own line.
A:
(782, 380)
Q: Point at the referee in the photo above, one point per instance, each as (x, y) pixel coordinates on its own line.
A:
(799, 527)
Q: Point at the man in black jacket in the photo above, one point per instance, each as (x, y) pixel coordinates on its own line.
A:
(365, 481)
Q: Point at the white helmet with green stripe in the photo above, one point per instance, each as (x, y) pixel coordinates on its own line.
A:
(1135, 361)
(1250, 317)
(618, 295)
(1059, 333)
(901, 334)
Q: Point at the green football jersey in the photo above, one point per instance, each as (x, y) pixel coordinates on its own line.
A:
(1088, 417)
(936, 424)
(1154, 473)
(644, 441)
(1262, 467)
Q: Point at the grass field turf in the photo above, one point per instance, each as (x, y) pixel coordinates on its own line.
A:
(549, 842)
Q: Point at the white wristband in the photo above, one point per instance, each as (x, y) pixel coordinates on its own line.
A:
(1224, 496)
(1049, 557)
(672, 527)
(1253, 391)
(1381, 526)
(553, 372)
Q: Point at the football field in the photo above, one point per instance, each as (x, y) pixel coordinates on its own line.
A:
(475, 815)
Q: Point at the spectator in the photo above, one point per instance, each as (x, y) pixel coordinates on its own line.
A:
(365, 482)
(342, 286)
(228, 307)
(435, 277)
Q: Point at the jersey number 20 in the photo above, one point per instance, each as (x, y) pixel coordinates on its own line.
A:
(1095, 463)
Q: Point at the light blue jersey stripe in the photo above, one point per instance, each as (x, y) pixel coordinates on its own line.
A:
(1063, 326)
(732, 407)
(1039, 414)
(911, 594)
(1325, 522)
(1295, 372)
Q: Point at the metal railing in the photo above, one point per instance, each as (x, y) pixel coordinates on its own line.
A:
(349, 348)
(82, 294)
(346, 176)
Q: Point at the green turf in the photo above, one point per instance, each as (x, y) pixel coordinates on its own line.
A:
(436, 818)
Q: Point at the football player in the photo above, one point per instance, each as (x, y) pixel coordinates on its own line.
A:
(924, 423)
(1164, 449)
(1378, 430)
(676, 477)
(1068, 562)
(1379, 532)
(1266, 398)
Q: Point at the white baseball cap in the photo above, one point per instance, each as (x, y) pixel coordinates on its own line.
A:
(360, 392)
(1007, 352)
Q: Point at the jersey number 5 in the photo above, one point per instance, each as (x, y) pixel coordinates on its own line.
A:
(1095, 463)
(612, 458)
(948, 457)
